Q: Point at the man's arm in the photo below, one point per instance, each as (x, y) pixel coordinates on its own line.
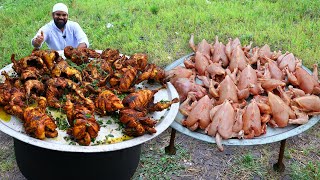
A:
(81, 36)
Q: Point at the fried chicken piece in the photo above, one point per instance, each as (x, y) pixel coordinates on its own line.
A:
(126, 81)
(57, 87)
(37, 123)
(159, 106)
(152, 72)
(80, 55)
(123, 80)
(138, 61)
(75, 55)
(62, 69)
(92, 70)
(110, 55)
(28, 61)
(107, 102)
(106, 67)
(97, 73)
(5, 89)
(49, 57)
(30, 73)
(136, 122)
(82, 121)
(119, 63)
(91, 53)
(33, 86)
(139, 100)
(16, 103)
(55, 90)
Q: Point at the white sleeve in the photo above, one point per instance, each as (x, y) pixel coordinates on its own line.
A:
(80, 35)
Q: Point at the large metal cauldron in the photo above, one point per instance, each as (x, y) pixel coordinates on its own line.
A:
(40, 163)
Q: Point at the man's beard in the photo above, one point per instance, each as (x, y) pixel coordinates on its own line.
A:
(60, 25)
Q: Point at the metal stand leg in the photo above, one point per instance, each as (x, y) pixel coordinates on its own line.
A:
(171, 150)
(279, 166)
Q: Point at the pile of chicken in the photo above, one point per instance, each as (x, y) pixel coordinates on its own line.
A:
(85, 84)
(237, 91)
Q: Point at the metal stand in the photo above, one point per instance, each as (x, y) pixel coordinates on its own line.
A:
(279, 166)
(171, 149)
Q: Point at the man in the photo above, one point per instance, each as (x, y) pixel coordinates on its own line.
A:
(60, 32)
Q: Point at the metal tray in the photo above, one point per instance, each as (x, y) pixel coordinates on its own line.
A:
(272, 135)
(14, 127)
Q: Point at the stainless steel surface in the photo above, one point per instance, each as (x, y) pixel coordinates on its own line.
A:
(14, 126)
(272, 135)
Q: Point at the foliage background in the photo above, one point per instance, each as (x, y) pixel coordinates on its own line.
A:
(162, 28)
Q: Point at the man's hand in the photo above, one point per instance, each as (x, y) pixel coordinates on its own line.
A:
(38, 40)
(82, 45)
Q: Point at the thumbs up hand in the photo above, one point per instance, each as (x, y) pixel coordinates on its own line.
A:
(38, 40)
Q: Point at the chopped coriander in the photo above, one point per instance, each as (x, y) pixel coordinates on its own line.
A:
(164, 101)
(122, 96)
(109, 135)
(72, 143)
(62, 123)
(88, 115)
(100, 122)
(119, 128)
(109, 121)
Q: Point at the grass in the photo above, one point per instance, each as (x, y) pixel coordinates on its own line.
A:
(162, 30)
(7, 160)
(304, 162)
(248, 167)
(305, 171)
(153, 160)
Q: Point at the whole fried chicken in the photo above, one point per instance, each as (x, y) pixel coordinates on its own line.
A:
(110, 55)
(57, 87)
(5, 89)
(75, 55)
(28, 61)
(50, 57)
(16, 103)
(123, 80)
(140, 99)
(37, 123)
(81, 118)
(138, 61)
(62, 69)
(33, 86)
(136, 122)
(107, 102)
(152, 72)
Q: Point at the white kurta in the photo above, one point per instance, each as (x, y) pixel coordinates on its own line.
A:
(72, 35)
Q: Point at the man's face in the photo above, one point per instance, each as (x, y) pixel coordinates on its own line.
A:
(60, 18)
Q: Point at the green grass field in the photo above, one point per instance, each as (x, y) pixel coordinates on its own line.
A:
(162, 28)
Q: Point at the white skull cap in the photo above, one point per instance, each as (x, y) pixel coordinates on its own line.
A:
(60, 7)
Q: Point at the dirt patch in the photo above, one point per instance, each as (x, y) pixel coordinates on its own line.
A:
(196, 159)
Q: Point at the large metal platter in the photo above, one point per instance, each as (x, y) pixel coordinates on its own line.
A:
(272, 135)
(14, 127)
